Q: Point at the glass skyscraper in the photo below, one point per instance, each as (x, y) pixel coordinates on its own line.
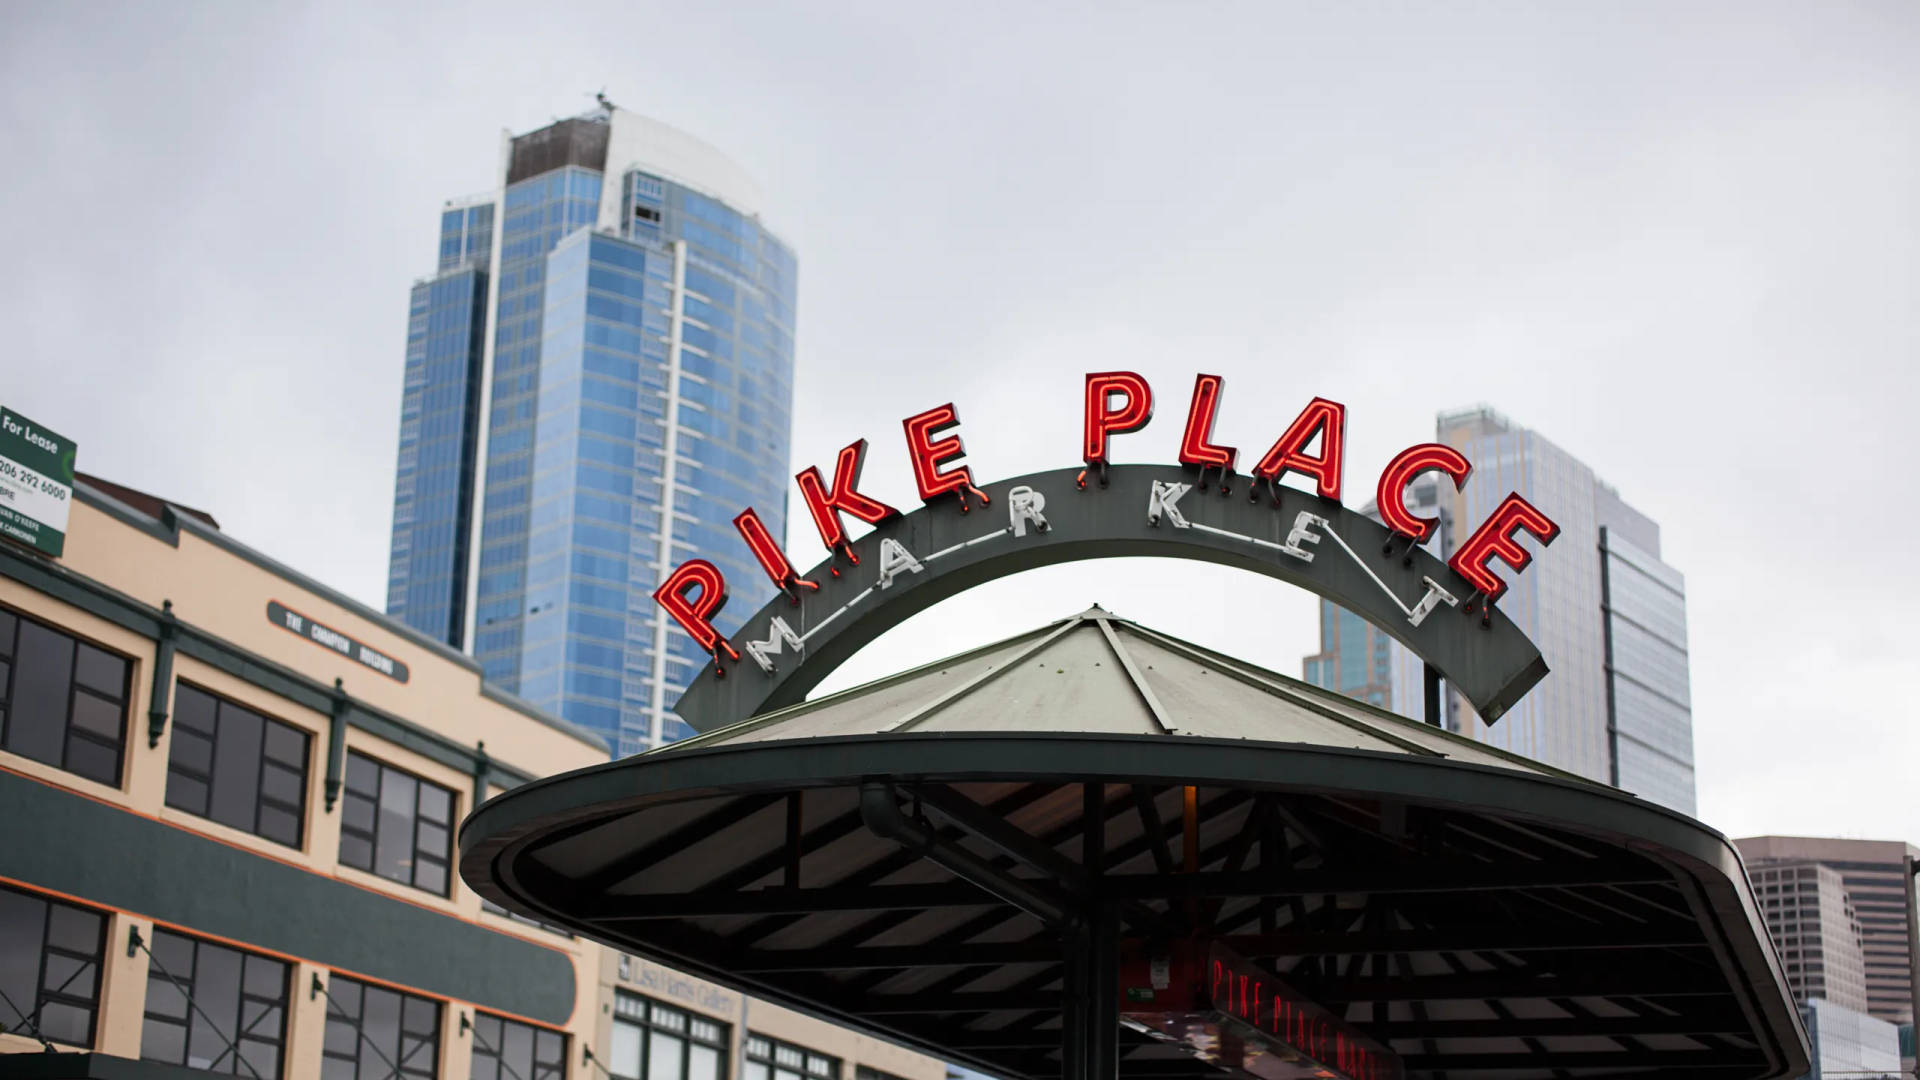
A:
(599, 377)
(1607, 614)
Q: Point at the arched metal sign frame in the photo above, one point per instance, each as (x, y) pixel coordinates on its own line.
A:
(909, 563)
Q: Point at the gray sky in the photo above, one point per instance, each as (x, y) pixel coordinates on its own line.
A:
(1682, 241)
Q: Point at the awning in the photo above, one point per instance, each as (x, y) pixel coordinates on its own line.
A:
(899, 857)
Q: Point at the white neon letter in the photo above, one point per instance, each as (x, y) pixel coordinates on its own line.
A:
(1303, 533)
(763, 652)
(1164, 501)
(1025, 505)
(894, 560)
(1434, 598)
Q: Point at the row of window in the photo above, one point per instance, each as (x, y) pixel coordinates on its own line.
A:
(63, 702)
(224, 1010)
(213, 1007)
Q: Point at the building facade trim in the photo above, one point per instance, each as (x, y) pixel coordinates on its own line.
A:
(168, 530)
(206, 887)
(126, 612)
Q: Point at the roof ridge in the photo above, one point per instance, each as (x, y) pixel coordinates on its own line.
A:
(1304, 701)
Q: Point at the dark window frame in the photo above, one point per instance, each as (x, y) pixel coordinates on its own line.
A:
(403, 1060)
(443, 857)
(261, 800)
(69, 731)
(765, 1051)
(242, 1031)
(491, 1029)
(649, 1016)
(58, 995)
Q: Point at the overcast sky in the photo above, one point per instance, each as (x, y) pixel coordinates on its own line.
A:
(1682, 241)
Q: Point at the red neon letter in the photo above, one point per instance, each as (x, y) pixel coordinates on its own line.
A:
(1495, 537)
(927, 454)
(1217, 970)
(826, 506)
(695, 614)
(1102, 420)
(1326, 418)
(1411, 462)
(1196, 447)
(765, 551)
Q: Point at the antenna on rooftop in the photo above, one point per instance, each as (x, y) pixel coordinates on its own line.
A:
(600, 96)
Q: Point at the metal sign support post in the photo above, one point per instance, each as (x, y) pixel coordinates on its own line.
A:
(1090, 1023)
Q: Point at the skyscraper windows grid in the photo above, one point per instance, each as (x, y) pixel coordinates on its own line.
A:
(588, 239)
(1608, 616)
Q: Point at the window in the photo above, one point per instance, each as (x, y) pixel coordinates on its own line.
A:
(862, 1072)
(49, 967)
(652, 1041)
(62, 701)
(237, 767)
(206, 1000)
(771, 1059)
(396, 825)
(509, 1050)
(374, 1033)
(495, 909)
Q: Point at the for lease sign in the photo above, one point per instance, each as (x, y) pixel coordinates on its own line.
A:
(36, 483)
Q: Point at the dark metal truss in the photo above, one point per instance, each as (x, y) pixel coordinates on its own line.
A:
(1559, 954)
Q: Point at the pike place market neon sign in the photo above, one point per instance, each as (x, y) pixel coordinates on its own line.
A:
(965, 533)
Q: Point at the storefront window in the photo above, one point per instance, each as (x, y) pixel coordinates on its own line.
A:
(652, 1041)
(509, 1050)
(214, 1008)
(771, 1059)
(49, 968)
(378, 1034)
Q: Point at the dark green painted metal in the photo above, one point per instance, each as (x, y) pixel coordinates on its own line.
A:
(1483, 654)
(496, 840)
(162, 676)
(336, 744)
(175, 876)
(167, 529)
(179, 637)
(482, 774)
(91, 1066)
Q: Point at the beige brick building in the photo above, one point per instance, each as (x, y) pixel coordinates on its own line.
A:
(231, 796)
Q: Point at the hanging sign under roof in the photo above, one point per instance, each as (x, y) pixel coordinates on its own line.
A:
(965, 534)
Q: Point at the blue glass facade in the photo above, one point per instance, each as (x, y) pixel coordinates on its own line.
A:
(439, 442)
(1650, 701)
(633, 313)
(1609, 617)
(1355, 658)
(539, 211)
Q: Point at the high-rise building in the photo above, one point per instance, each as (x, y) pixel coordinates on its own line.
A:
(1814, 929)
(1873, 875)
(599, 376)
(1607, 614)
(1849, 1045)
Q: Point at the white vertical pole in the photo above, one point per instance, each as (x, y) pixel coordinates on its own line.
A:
(676, 314)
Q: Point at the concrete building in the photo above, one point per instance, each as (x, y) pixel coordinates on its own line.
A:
(1872, 872)
(231, 795)
(1606, 612)
(1814, 929)
(599, 376)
